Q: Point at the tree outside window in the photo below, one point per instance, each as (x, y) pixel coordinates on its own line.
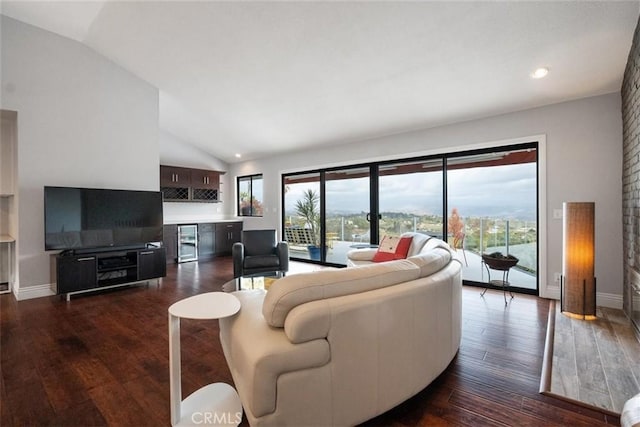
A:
(250, 195)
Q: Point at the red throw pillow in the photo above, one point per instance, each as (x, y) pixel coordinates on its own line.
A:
(392, 247)
(402, 250)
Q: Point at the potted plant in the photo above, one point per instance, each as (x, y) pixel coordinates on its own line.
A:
(308, 208)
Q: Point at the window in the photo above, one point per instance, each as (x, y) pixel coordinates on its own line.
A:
(250, 195)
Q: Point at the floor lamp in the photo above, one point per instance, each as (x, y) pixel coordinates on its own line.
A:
(578, 283)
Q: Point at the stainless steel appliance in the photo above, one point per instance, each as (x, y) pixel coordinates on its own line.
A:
(187, 243)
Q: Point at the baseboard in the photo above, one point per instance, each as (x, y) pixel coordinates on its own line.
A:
(609, 300)
(602, 299)
(31, 292)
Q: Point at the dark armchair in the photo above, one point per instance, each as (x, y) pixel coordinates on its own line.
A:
(259, 253)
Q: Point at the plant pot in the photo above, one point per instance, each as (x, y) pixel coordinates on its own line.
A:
(314, 252)
(497, 261)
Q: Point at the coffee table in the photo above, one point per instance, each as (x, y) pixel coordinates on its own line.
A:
(216, 403)
(249, 282)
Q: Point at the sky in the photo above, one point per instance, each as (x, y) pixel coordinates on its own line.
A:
(507, 192)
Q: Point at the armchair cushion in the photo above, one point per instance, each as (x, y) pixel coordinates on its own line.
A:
(260, 261)
(259, 242)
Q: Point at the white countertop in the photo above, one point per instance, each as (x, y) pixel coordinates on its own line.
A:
(5, 238)
(198, 221)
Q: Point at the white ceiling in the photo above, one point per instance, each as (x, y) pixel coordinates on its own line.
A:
(263, 77)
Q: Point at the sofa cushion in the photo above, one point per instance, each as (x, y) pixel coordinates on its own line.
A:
(291, 291)
(365, 254)
(417, 242)
(432, 261)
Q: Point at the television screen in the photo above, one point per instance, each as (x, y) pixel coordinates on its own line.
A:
(80, 218)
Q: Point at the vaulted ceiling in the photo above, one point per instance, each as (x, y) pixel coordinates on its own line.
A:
(258, 78)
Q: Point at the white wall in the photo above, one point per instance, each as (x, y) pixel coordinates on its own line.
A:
(583, 163)
(82, 121)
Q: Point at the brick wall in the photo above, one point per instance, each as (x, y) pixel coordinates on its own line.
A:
(631, 165)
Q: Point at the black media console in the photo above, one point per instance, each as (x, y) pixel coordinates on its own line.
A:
(77, 273)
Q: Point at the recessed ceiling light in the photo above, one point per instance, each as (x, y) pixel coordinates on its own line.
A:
(540, 73)
(238, 155)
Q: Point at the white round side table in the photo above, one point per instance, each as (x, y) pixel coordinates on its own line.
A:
(214, 404)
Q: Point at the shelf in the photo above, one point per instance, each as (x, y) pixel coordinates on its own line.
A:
(116, 268)
(5, 238)
(6, 194)
(124, 280)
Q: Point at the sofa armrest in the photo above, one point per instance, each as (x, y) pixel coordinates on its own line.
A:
(258, 354)
(237, 253)
(307, 322)
(366, 254)
(283, 255)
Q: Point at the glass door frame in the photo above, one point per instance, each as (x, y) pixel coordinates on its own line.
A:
(374, 198)
(497, 149)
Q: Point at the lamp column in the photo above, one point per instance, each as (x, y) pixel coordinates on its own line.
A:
(578, 286)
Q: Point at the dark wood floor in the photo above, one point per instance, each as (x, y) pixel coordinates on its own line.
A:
(103, 359)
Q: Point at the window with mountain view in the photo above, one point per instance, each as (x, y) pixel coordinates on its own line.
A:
(480, 202)
(250, 195)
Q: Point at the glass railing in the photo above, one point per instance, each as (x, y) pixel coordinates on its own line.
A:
(509, 237)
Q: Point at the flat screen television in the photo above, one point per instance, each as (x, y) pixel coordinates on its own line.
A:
(80, 219)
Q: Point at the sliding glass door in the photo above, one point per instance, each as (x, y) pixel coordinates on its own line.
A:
(410, 197)
(347, 212)
(481, 202)
(301, 210)
(492, 209)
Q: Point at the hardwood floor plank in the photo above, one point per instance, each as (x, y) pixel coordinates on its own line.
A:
(92, 372)
(82, 414)
(6, 417)
(62, 384)
(150, 395)
(558, 415)
(493, 410)
(29, 404)
(490, 393)
(118, 408)
(103, 359)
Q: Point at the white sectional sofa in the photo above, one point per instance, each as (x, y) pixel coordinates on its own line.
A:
(338, 347)
(420, 243)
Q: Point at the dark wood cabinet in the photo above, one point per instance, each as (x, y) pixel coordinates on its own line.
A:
(152, 263)
(75, 273)
(206, 241)
(214, 239)
(205, 179)
(173, 176)
(227, 233)
(170, 242)
(180, 184)
(92, 271)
